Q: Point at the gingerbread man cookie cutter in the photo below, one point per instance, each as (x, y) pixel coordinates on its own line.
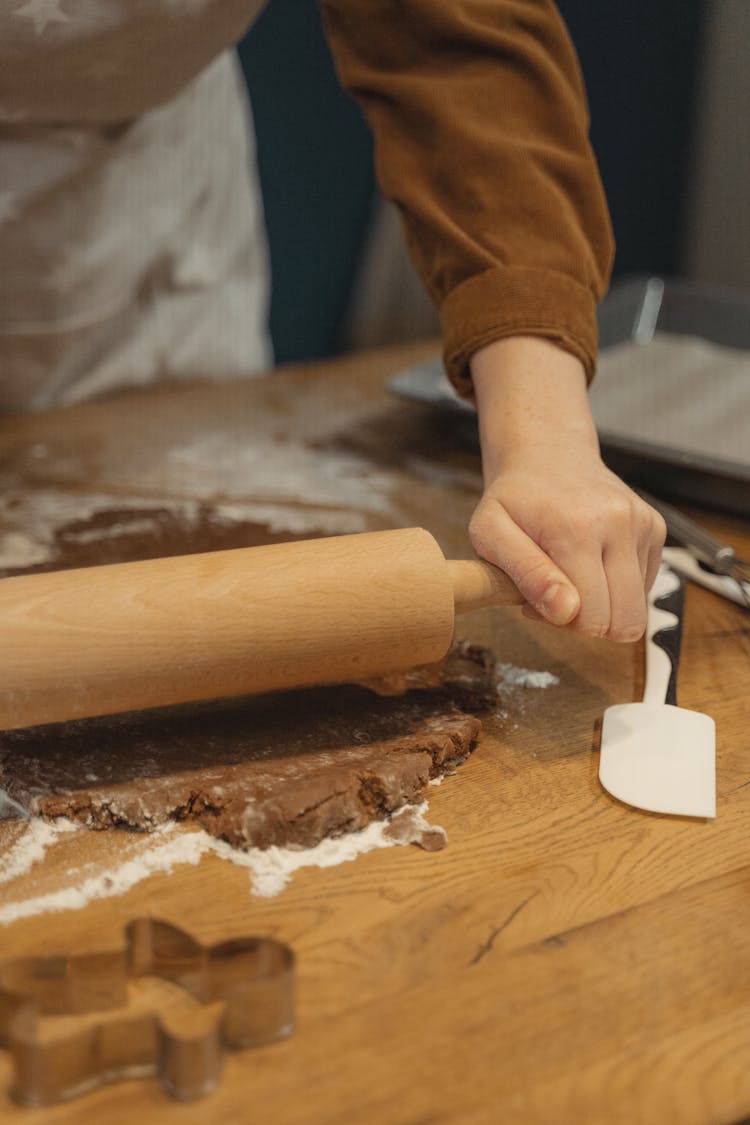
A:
(240, 994)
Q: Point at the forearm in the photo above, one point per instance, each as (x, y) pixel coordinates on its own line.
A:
(480, 123)
(532, 402)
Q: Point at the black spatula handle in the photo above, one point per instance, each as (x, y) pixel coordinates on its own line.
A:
(669, 637)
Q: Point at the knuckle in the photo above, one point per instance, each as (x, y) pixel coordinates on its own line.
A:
(478, 531)
(589, 530)
(652, 523)
(659, 529)
(478, 519)
(485, 547)
(618, 519)
(485, 513)
(620, 514)
(534, 575)
(581, 526)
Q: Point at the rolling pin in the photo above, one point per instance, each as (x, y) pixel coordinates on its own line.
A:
(129, 636)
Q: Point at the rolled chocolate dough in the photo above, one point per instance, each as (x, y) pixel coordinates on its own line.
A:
(281, 769)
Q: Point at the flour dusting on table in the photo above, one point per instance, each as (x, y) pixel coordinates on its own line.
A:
(169, 846)
(35, 519)
(272, 868)
(508, 676)
(294, 490)
(31, 846)
(275, 472)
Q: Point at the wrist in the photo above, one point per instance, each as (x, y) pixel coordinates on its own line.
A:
(532, 402)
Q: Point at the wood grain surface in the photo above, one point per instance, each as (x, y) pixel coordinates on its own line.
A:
(565, 958)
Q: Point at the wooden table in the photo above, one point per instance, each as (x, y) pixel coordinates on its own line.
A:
(565, 958)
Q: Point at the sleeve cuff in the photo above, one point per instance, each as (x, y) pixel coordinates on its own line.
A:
(516, 301)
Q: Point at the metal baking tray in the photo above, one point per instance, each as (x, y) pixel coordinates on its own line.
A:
(671, 399)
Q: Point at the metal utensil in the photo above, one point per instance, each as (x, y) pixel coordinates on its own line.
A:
(248, 982)
(705, 547)
(686, 564)
(655, 755)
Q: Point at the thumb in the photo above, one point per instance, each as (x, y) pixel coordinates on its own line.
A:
(497, 538)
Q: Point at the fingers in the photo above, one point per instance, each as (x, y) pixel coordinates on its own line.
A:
(656, 538)
(605, 562)
(584, 563)
(498, 538)
(627, 594)
(613, 589)
(605, 555)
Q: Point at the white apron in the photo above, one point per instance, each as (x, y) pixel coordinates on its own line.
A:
(132, 246)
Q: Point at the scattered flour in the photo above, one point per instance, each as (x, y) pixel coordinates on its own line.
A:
(168, 847)
(125, 527)
(31, 846)
(34, 518)
(272, 868)
(277, 473)
(301, 520)
(510, 676)
(19, 549)
(294, 489)
(160, 857)
(44, 513)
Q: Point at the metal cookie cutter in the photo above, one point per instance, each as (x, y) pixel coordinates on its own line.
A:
(244, 991)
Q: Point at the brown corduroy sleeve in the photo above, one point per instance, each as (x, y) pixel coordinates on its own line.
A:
(481, 132)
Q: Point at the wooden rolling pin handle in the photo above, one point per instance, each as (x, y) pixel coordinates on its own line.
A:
(477, 584)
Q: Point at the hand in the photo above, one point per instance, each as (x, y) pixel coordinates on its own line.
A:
(582, 548)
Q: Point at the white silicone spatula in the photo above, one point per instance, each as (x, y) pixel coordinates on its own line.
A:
(655, 755)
